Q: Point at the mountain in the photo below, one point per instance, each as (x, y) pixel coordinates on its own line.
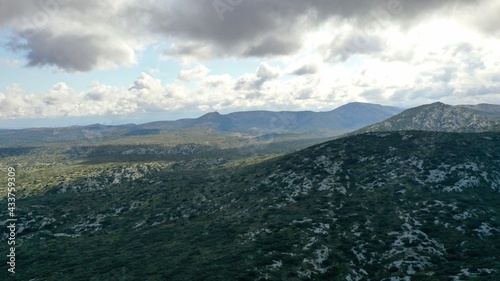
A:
(345, 118)
(356, 114)
(442, 117)
(410, 205)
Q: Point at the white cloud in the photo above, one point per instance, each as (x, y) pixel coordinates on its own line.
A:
(146, 82)
(376, 80)
(268, 72)
(187, 75)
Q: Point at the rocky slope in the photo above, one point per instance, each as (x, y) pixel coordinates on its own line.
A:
(407, 205)
(441, 117)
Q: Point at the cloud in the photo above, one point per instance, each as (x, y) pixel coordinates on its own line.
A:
(481, 15)
(189, 52)
(75, 36)
(217, 81)
(379, 81)
(385, 51)
(272, 46)
(248, 82)
(275, 28)
(304, 69)
(355, 42)
(254, 82)
(267, 72)
(11, 10)
(76, 52)
(109, 33)
(187, 75)
(146, 82)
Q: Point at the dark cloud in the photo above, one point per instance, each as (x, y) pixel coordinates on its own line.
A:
(11, 10)
(73, 52)
(189, 49)
(272, 46)
(263, 28)
(85, 35)
(250, 29)
(309, 68)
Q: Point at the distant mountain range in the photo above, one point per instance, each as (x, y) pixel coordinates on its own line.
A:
(443, 118)
(347, 117)
(344, 118)
(363, 117)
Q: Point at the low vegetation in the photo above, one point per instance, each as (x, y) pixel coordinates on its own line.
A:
(378, 206)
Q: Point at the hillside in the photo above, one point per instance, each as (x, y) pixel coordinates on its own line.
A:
(484, 107)
(379, 206)
(443, 118)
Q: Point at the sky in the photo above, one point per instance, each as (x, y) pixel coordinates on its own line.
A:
(69, 62)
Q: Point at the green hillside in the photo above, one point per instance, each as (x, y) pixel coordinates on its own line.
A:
(379, 206)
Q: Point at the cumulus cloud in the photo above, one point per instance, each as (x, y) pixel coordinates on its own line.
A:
(146, 82)
(268, 72)
(378, 81)
(149, 94)
(254, 82)
(186, 75)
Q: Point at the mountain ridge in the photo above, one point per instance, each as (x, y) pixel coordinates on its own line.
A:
(336, 119)
(442, 118)
(344, 118)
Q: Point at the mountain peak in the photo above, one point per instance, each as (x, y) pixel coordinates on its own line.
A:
(211, 116)
(357, 103)
(215, 113)
(437, 104)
